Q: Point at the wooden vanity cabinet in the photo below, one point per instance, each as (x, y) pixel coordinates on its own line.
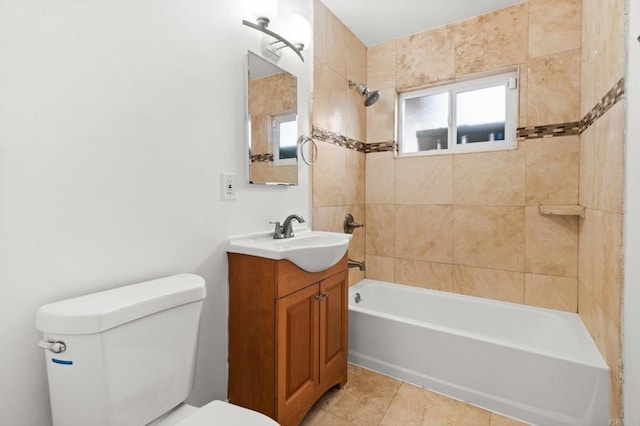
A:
(287, 335)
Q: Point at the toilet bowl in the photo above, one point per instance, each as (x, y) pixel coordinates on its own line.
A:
(214, 413)
(126, 357)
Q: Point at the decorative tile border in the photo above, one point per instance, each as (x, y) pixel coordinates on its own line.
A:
(336, 139)
(380, 147)
(345, 142)
(522, 133)
(577, 127)
(610, 99)
(548, 131)
(260, 158)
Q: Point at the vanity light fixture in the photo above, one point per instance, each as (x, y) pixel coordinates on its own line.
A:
(298, 29)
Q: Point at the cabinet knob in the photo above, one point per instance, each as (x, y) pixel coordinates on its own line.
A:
(321, 296)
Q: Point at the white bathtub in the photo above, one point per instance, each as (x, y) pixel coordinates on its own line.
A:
(533, 364)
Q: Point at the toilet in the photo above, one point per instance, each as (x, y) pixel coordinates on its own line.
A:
(126, 357)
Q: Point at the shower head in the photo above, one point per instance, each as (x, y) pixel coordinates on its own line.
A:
(370, 97)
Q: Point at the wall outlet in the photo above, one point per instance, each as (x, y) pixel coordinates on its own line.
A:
(228, 186)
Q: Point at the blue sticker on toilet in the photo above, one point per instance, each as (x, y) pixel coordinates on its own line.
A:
(62, 361)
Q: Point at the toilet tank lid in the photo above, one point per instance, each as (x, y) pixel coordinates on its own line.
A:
(97, 312)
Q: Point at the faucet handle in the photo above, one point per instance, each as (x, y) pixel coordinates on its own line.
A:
(278, 232)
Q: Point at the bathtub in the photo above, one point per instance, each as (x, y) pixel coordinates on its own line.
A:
(533, 364)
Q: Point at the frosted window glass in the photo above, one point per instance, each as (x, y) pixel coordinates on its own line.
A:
(426, 123)
(288, 139)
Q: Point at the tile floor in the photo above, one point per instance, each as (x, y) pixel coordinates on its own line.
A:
(370, 398)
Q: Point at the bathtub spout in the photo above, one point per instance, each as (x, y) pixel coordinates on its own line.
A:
(356, 264)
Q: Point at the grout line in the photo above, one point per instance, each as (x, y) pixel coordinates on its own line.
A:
(391, 402)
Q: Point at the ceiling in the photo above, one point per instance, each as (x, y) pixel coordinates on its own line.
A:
(378, 21)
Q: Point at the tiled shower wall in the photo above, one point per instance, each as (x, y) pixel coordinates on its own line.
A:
(601, 182)
(338, 175)
(469, 223)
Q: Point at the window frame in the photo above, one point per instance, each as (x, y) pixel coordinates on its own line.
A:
(509, 79)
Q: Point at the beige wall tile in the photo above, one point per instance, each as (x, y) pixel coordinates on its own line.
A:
(425, 58)
(355, 126)
(328, 38)
(551, 244)
(489, 178)
(356, 70)
(489, 237)
(418, 273)
(551, 292)
(490, 283)
(381, 66)
(380, 268)
(329, 99)
(354, 184)
(424, 180)
(379, 232)
(380, 178)
(589, 248)
(555, 77)
(356, 246)
(356, 58)
(356, 275)
(329, 176)
(610, 45)
(259, 134)
(381, 117)
(280, 93)
(609, 160)
(588, 166)
(586, 308)
(591, 30)
(413, 405)
(553, 32)
(328, 219)
(492, 40)
(600, 265)
(424, 232)
(606, 335)
(523, 93)
(552, 170)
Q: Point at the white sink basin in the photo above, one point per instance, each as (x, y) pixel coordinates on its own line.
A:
(313, 251)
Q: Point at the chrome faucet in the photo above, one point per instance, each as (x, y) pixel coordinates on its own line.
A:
(286, 230)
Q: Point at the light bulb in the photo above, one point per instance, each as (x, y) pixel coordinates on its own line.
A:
(298, 31)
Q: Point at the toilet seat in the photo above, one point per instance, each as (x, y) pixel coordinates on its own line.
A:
(225, 414)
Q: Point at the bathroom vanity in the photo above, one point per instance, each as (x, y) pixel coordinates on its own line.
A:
(287, 334)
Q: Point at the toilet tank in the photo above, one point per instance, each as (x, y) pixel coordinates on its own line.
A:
(130, 351)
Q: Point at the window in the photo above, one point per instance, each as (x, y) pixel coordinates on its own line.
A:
(473, 115)
(284, 135)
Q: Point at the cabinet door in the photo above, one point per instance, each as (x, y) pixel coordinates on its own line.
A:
(297, 350)
(333, 329)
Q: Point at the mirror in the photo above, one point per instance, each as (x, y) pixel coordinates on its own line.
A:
(272, 123)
